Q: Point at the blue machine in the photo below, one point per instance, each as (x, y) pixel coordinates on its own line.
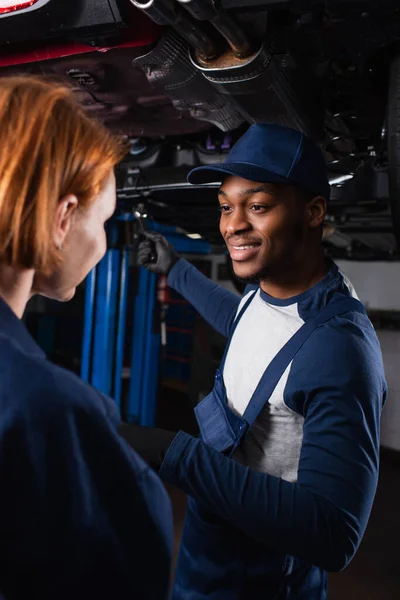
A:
(107, 307)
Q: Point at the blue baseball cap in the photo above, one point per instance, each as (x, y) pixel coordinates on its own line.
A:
(271, 153)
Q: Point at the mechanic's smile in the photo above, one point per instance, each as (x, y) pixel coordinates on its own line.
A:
(242, 251)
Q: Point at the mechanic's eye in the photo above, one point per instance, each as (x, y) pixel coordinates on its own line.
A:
(259, 208)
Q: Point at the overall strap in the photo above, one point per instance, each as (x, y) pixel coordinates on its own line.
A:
(282, 360)
(235, 324)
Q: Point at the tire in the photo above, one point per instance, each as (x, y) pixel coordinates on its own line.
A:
(394, 145)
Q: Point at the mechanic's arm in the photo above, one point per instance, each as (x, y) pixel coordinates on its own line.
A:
(215, 304)
(322, 517)
(82, 513)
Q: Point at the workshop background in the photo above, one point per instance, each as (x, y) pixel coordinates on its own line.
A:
(168, 356)
(182, 81)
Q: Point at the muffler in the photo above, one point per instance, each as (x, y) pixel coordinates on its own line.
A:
(223, 77)
(266, 87)
(168, 68)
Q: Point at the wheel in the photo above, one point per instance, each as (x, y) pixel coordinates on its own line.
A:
(394, 145)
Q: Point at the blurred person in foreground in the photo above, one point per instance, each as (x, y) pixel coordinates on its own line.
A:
(82, 516)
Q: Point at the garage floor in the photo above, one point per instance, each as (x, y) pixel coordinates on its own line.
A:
(374, 574)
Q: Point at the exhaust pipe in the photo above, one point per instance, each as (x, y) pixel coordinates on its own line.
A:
(169, 13)
(167, 67)
(203, 10)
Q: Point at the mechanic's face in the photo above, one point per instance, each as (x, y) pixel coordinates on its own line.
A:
(265, 227)
(83, 238)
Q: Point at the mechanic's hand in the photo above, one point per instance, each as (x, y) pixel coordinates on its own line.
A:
(151, 443)
(156, 254)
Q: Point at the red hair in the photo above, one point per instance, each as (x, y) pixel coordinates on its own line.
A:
(49, 148)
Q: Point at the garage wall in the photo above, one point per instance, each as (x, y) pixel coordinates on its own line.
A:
(378, 286)
(377, 283)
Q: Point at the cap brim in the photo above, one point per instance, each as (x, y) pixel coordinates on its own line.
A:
(215, 173)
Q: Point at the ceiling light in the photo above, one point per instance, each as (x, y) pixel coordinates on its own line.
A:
(341, 179)
(7, 6)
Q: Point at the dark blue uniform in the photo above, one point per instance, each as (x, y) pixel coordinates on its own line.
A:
(81, 515)
(251, 534)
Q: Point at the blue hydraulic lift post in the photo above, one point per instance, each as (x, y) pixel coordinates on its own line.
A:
(143, 306)
(103, 289)
(151, 360)
(104, 334)
(146, 343)
(112, 324)
(123, 301)
(105, 324)
(88, 325)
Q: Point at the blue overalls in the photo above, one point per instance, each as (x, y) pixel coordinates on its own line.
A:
(218, 561)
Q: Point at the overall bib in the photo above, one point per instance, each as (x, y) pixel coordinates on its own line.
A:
(216, 560)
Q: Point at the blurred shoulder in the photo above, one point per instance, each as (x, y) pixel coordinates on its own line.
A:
(38, 387)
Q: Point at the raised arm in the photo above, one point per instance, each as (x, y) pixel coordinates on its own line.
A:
(215, 304)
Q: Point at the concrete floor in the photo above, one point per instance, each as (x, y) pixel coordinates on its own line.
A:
(374, 574)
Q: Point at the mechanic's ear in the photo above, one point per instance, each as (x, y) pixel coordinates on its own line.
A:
(316, 211)
(63, 218)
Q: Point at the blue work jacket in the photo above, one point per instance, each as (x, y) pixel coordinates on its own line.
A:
(251, 535)
(81, 514)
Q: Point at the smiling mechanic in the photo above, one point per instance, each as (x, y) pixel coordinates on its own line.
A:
(282, 482)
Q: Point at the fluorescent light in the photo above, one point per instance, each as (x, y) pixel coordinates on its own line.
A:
(194, 236)
(341, 179)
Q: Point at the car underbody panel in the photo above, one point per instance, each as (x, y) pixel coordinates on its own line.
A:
(183, 79)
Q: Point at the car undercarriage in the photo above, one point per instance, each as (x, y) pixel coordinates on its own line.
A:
(183, 79)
